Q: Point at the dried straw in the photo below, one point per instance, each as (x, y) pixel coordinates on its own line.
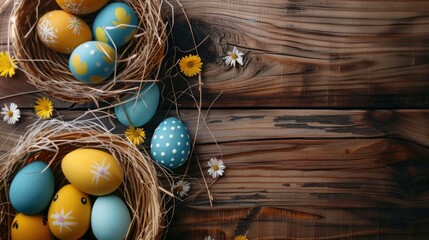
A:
(137, 62)
(49, 141)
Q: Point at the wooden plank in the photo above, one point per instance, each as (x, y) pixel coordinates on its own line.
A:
(229, 126)
(311, 53)
(309, 189)
(273, 223)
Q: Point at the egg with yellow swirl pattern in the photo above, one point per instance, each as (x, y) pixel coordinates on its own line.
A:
(92, 62)
(117, 21)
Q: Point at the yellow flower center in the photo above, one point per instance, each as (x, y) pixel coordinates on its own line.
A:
(234, 56)
(216, 167)
(46, 107)
(9, 113)
(190, 64)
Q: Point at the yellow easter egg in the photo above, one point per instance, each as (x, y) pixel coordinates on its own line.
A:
(69, 214)
(30, 227)
(81, 6)
(92, 171)
(62, 31)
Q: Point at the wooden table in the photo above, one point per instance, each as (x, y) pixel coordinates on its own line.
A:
(324, 130)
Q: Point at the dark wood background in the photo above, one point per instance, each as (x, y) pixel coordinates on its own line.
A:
(324, 131)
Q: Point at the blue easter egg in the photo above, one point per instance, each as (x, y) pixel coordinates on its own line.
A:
(107, 24)
(170, 145)
(92, 62)
(110, 218)
(32, 188)
(138, 113)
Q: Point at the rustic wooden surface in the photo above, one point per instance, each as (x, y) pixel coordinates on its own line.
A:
(324, 131)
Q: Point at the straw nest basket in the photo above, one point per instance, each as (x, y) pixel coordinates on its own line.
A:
(51, 140)
(48, 71)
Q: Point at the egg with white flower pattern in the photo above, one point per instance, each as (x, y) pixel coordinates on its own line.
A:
(62, 31)
(92, 171)
(81, 6)
(170, 145)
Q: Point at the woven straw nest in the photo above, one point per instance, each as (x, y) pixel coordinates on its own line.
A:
(51, 140)
(48, 70)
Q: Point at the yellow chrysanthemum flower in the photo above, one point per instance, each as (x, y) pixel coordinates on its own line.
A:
(7, 64)
(135, 135)
(240, 237)
(44, 108)
(190, 65)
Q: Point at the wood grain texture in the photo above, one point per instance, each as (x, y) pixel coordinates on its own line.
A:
(319, 53)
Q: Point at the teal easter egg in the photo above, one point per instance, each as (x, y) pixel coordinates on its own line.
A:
(110, 218)
(92, 62)
(170, 145)
(115, 22)
(138, 113)
(32, 188)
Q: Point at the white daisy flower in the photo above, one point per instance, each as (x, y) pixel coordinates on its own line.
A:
(217, 167)
(181, 188)
(11, 113)
(209, 238)
(234, 56)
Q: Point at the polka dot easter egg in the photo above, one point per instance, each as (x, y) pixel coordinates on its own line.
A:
(34, 226)
(62, 31)
(92, 62)
(170, 145)
(69, 213)
(81, 6)
(115, 22)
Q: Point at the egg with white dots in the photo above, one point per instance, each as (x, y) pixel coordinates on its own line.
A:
(92, 62)
(170, 144)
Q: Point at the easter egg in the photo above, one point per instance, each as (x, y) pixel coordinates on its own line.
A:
(69, 213)
(32, 188)
(30, 227)
(92, 171)
(138, 113)
(116, 21)
(110, 218)
(170, 145)
(81, 6)
(62, 31)
(92, 62)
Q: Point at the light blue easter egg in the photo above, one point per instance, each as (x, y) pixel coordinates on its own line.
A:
(110, 218)
(32, 188)
(92, 62)
(170, 145)
(138, 113)
(107, 24)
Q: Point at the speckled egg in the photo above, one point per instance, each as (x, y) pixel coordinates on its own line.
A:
(92, 171)
(170, 145)
(108, 24)
(138, 113)
(62, 31)
(34, 226)
(92, 62)
(69, 213)
(32, 188)
(81, 6)
(110, 218)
